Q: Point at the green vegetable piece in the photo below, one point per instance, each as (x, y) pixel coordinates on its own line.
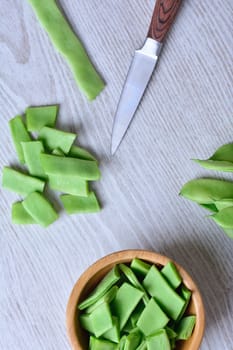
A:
(159, 340)
(31, 152)
(224, 218)
(19, 134)
(53, 138)
(132, 340)
(186, 294)
(136, 314)
(101, 319)
(152, 318)
(86, 322)
(126, 300)
(129, 274)
(185, 327)
(77, 204)
(84, 169)
(38, 117)
(207, 190)
(171, 274)
(210, 207)
(164, 294)
(100, 344)
(20, 216)
(20, 183)
(81, 153)
(103, 287)
(121, 345)
(113, 334)
(69, 184)
(170, 333)
(218, 165)
(140, 267)
(58, 152)
(224, 203)
(40, 209)
(142, 346)
(66, 42)
(224, 153)
(106, 298)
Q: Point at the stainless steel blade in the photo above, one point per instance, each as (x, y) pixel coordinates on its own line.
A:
(141, 69)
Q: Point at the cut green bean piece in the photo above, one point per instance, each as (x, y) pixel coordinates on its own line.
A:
(69, 184)
(224, 218)
(132, 340)
(218, 165)
(31, 152)
(53, 138)
(129, 274)
(164, 294)
(81, 153)
(101, 319)
(140, 267)
(224, 203)
(142, 346)
(186, 294)
(86, 322)
(19, 134)
(85, 169)
(113, 334)
(207, 190)
(38, 117)
(58, 152)
(20, 183)
(152, 318)
(100, 344)
(40, 209)
(107, 298)
(121, 345)
(210, 207)
(170, 333)
(185, 327)
(107, 282)
(67, 43)
(159, 341)
(126, 300)
(20, 216)
(169, 271)
(77, 204)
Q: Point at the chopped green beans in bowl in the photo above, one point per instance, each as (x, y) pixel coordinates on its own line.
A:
(135, 300)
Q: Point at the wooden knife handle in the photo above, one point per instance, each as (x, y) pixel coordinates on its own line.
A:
(162, 19)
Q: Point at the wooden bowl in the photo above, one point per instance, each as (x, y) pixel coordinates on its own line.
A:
(94, 274)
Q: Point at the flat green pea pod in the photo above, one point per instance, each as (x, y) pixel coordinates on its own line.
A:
(133, 339)
(37, 117)
(20, 216)
(224, 218)
(19, 134)
(159, 340)
(207, 191)
(185, 327)
(77, 204)
(67, 43)
(81, 153)
(100, 344)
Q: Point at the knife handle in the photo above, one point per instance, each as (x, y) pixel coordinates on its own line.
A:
(162, 19)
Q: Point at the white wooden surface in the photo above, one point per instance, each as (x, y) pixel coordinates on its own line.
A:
(186, 112)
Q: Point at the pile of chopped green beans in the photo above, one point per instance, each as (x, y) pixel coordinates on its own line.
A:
(213, 194)
(51, 159)
(67, 43)
(137, 307)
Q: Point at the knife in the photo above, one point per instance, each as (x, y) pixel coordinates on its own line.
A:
(141, 69)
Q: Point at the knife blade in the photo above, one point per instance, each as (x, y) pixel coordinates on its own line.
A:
(142, 67)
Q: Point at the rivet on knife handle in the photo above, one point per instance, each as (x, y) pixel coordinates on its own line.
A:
(164, 14)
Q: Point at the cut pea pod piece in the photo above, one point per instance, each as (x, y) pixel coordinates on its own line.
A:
(157, 286)
(107, 298)
(185, 327)
(169, 271)
(77, 204)
(21, 183)
(218, 165)
(186, 295)
(132, 340)
(113, 334)
(86, 322)
(58, 152)
(40, 209)
(170, 333)
(31, 152)
(121, 345)
(126, 300)
(101, 344)
(224, 218)
(69, 184)
(159, 340)
(140, 267)
(207, 190)
(101, 319)
(129, 274)
(38, 117)
(142, 346)
(53, 138)
(81, 153)
(67, 43)
(210, 207)
(19, 134)
(84, 169)
(224, 203)
(152, 318)
(107, 282)
(20, 216)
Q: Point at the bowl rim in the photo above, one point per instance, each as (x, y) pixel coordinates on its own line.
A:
(129, 254)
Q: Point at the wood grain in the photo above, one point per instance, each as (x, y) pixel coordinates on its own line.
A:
(163, 16)
(186, 113)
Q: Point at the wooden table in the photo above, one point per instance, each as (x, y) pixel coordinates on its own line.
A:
(186, 113)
